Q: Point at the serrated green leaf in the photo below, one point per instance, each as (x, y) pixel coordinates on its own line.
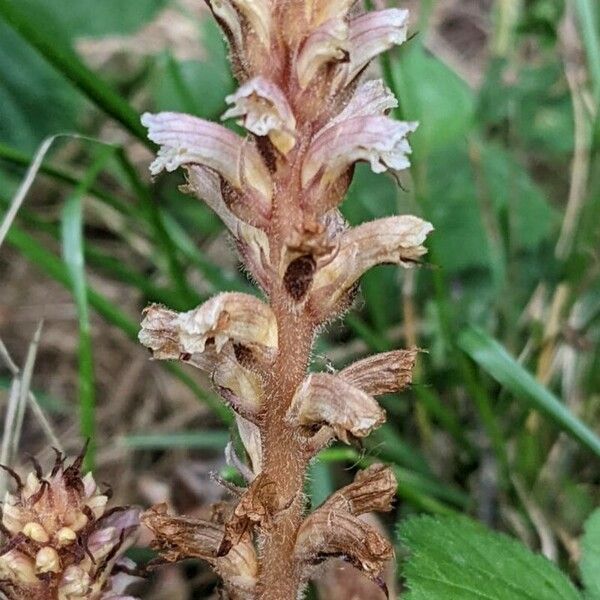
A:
(590, 559)
(455, 558)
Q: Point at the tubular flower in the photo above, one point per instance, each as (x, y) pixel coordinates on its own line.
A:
(374, 33)
(378, 140)
(62, 543)
(308, 119)
(266, 112)
(186, 140)
(328, 43)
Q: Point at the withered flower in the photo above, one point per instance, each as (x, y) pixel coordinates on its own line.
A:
(309, 119)
(333, 530)
(60, 541)
(178, 538)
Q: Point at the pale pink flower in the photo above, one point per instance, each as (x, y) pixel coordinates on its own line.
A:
(265, 112)
(374, 33)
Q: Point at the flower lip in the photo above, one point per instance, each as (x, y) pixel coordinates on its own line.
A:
(188, 140)
(379, 140)
(374, 33)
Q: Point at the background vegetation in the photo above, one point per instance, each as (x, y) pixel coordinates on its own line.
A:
(505, 165)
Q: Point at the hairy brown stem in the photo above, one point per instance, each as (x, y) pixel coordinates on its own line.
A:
(285, 461)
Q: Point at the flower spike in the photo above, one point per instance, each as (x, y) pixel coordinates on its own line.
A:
(309, 119)
(62, 541)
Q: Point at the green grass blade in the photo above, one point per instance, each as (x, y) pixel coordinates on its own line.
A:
(73, 255)
(26, 184)
(24, 388)
(62, 57)
(588, 21)
(211, 439)
(161, 236)
(495, 360)
(23, 159)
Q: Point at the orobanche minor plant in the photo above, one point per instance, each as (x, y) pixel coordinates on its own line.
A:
(310, 116)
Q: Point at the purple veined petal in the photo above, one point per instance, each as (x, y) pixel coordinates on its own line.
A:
(319, 11)
(120, 524)
(376, 139)
(326, 44)
(265, 111)
(374, 33)
(372, 98)
(187, 140)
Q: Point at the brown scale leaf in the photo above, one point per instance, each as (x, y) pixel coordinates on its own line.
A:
(383, 373)
(329, 533)
(373, 489)
(179, 538)
(256, 507)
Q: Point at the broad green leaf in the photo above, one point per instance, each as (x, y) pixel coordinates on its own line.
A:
(534, 108)
(433, 94)
(453, 208)
(51, 42)
(455, 558)
(590, 559)
(496, 361)
(198, 87)
(93, 18)
(516, 198)
(35, 101)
